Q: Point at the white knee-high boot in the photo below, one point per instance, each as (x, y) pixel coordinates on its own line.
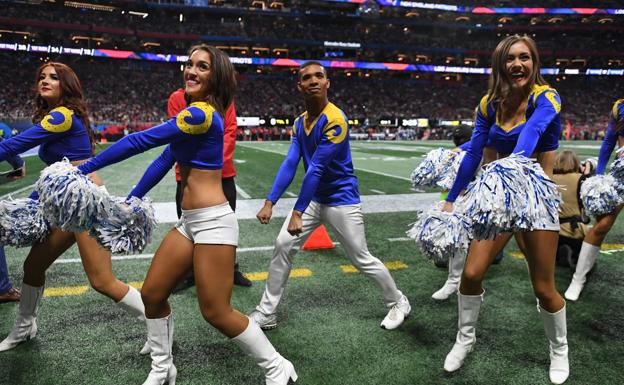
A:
(160, 338)
(133, 305)
(556, 331)
(586, 260)
(455, 267)
(26, 323)
(469, 306)
(278, 370)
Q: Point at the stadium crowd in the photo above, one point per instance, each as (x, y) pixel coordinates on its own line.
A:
(431, 37)
(122, 92)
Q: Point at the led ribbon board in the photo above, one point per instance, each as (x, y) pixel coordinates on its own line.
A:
(281, 62)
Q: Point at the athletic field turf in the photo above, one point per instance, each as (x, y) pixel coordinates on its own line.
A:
(329, 317)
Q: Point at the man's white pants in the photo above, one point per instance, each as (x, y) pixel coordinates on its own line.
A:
(348, 224)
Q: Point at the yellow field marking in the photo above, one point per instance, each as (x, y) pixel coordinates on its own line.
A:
(263, 275)
(348, 269)
(606, 247)
(612, 246)
(392, 265)
(396, 265)
(516, 254)
(258, 276)
(64, 291)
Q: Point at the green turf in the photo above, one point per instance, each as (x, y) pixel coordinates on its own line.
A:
(329, 322)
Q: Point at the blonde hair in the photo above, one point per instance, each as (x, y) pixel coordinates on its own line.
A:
(566, 162)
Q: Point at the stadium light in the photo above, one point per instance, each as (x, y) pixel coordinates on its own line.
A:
(137, 13)
(95, 7)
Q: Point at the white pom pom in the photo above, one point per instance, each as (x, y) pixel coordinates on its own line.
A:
(599, 195)
(441, 234)
(512, 194)
(71, 201)
(446, 179)
(617, 170)
(127, 227)
(433, 168)
(22, 222)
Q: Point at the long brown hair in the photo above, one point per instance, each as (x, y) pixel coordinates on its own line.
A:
(222, 81)
(499, 84)
(71, 96)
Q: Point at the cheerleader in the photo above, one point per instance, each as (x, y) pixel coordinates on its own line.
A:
(175, 104)
(206, 237)
(329, 194)
(596, 235)
(62, 130)
(455, 264)
(7, 292)
(519, 115)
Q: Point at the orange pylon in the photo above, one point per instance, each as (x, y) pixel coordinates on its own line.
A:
(319, 239)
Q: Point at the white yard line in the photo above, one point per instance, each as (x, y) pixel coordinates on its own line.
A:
(247, 208)
(400, 239)
(242, 192)
(150, 256)
(290, 194)
(378, 191)
(383, 174)
(13, 193)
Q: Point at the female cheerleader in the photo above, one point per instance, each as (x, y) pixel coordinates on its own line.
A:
(62, 130)
(520, 115)
(593, 240)
(206, 236)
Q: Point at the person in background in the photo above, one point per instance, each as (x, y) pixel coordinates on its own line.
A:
(8, 293)
(569, 173)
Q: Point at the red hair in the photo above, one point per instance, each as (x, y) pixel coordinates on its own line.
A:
(71, 96)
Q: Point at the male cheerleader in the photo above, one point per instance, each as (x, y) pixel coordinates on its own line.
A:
(329, 194)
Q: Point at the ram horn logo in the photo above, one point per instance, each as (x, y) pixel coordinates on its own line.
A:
(337, 134)
(196, 119)
(58, 120)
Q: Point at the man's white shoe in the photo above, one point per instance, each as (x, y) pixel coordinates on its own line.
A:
(397, 314)
(265, 321)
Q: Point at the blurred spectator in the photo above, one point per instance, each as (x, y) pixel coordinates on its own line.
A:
(569, 174)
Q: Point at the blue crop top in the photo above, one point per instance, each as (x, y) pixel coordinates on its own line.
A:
(538, 132)
(60, 134)
(611, 137)
(195, 138)
(324, 146)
